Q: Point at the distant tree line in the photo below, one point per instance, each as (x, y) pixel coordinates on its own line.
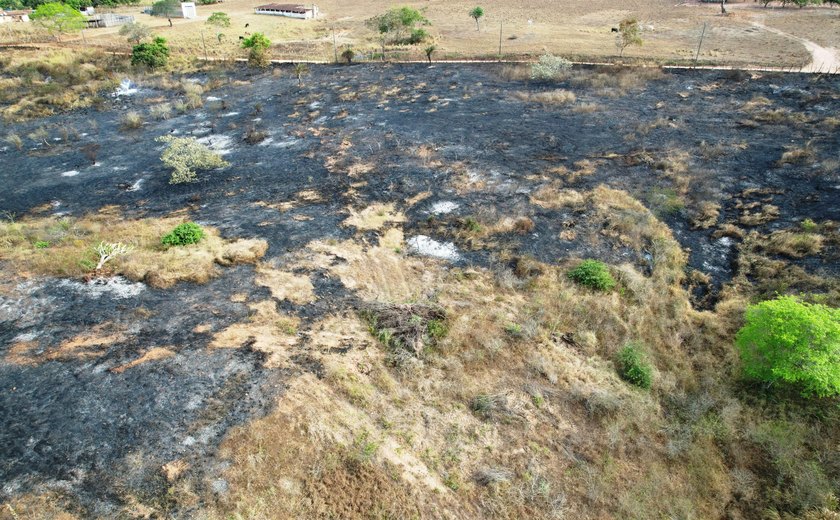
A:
(76, 4)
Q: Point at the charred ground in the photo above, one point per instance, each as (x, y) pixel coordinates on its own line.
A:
(465, 154)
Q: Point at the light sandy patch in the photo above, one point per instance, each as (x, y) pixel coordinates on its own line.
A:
(377, 273)
(423, 195)
(150, 355)
(392, 238)
(202, 328)
(266, 331)
(374, 217)
(88, 345)
(286, 286)
(551, 196)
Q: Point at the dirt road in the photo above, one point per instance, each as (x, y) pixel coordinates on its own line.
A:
(823, 59)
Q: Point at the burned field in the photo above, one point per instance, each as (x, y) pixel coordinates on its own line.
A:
(388, 185)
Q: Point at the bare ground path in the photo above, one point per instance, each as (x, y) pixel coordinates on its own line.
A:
(823, 59)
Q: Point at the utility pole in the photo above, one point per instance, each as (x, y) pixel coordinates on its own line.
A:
(203, 43)
(697, 56)
(335, 48)
(500, 41)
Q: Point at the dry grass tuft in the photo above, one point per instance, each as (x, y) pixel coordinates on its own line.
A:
(794, 244)
(552, 97)
(152, 354)
(267, 331)
(374, 216)
(286, 286)
(69, 249)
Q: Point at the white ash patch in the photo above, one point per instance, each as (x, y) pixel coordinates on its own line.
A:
(219, 143)
(70, 173)
(136, 185)
(213, 98)
(426, 246)
(115, 287)
(25, 336)
(443, 207)
(230, 114)
(126, 88)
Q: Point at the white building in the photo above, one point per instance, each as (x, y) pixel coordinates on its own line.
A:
(188, 10)
(291, 10)
(14, 16)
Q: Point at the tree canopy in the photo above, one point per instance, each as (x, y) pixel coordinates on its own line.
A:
(219, 19)
(789, 341)
(475, 14)
(59, 18)
(401, 24)
(167, 8)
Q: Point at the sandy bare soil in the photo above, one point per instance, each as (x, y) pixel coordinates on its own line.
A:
(575, 28)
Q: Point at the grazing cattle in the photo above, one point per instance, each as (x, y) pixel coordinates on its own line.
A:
(246, 25)
(614, 29)
(241, 37)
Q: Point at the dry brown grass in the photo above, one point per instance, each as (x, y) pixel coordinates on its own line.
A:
(414, 423)
(153, 354)
(794, 244)
(374, 216)
(47, 506)
(556, 97)
(266, 331)
(70, 242)
(286, 286)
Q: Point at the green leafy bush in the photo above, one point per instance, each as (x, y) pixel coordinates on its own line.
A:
(593, 274)
(185, 155)
(633, 366)
(258, 46)
(154, 55)
(789, 341)
(183, 234)
(549, 67)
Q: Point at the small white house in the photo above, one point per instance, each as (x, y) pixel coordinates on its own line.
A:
(14, 16)
(303, 12)
(188, 10)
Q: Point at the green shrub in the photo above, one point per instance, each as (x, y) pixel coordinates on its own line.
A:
(185, 155)
(183, 234)
(633, 366)
(154, 55)
(549, 67)
(809, 226)
(789, 341)
(593, 274)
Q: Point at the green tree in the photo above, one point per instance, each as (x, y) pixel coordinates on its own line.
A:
(400, 23)
(219, 19)
(789, 341)
(153, 55)
(11, 4)
(167, 8)
(629, 33)
(429, 51)
(257, 45)
(475, 14)
(135, 32)
(58, 18)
